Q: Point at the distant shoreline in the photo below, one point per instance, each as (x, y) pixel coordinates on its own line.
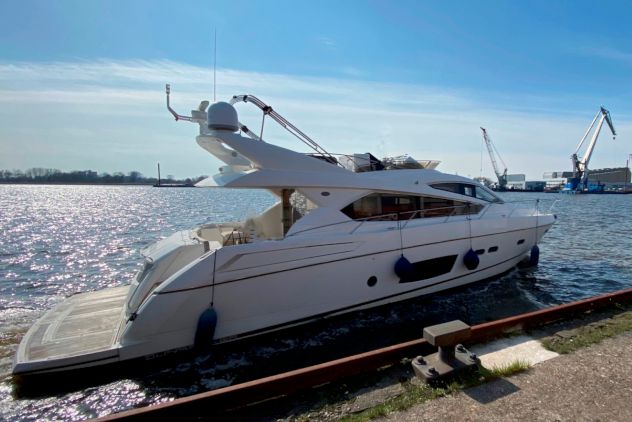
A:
(49, 176)
(76, 183)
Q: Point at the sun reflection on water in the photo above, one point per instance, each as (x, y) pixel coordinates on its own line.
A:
(56, 241)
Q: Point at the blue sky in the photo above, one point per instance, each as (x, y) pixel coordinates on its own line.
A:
(81, 82)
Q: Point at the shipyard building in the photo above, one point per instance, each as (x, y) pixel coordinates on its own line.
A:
(519, 182)
(613, 179)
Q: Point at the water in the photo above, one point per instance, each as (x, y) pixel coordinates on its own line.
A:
(59, 240)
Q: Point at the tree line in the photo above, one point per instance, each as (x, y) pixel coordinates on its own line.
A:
(44, 175)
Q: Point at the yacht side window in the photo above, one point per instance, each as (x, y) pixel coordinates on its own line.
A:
(459, 188)
(382, 207)
(487, 195)
(442, 207)
(368, 206)
(448, 187)
(385, 207)
(473, 191)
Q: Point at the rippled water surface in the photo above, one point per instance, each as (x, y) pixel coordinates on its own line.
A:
(59, 240)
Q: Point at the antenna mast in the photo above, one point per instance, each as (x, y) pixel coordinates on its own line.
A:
(215, 68)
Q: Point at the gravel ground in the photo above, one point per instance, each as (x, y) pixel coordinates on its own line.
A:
(591, 384)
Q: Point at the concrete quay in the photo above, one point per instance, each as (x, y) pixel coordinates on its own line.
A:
(575, 386)
(590, 384)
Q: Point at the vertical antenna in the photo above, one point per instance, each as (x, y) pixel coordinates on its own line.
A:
(481, 172)
(215, 67)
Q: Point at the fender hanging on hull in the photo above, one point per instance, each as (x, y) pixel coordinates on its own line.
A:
(205, 329)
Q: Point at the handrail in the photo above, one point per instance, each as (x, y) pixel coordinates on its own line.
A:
(413, 213)
(381, 217)
(536, 204)
(232, 238)
(397, 215)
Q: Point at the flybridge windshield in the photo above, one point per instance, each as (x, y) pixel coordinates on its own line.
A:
(478, 192)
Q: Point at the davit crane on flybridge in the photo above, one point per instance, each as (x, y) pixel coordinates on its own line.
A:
(579, 182)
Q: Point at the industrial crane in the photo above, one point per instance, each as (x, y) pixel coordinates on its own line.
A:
(502, 178)
(580, 166)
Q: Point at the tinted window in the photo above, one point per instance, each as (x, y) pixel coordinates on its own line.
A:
(381, 207)
(486, 195)
(449, 187)
(473, 191)
(441, 207)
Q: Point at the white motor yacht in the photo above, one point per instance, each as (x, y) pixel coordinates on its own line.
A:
(337, 241)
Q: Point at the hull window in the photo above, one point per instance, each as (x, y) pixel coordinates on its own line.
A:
(430, 268)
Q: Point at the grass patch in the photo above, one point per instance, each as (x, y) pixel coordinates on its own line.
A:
(416, 394)
(563, 342)
(568, 341)
(506, 370)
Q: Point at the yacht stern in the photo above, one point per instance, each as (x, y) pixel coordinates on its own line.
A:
(79, 332)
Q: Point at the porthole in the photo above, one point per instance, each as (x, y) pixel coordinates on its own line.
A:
(324, 193)
(492, 249)
(480, 251)
(372, 281)
(521, 241)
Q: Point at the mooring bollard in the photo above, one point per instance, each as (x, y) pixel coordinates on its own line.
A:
(451, 356)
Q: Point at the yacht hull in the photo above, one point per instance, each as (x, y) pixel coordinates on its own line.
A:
(257, 289)
(300, 290)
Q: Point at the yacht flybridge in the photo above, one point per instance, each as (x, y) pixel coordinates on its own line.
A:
(347, 233)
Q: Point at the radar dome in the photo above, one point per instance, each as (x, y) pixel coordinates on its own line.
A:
(222, 116)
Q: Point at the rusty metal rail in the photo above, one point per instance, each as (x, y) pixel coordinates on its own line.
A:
(302, 379)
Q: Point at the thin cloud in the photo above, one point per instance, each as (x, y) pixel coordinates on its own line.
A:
(328, 42)
(607, 52)
(123, 102)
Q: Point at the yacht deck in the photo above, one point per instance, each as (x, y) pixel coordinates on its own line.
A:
(79, 330)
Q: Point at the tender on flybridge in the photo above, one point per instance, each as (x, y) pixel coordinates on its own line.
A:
(345, 234)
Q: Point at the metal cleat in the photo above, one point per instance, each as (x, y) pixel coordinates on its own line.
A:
(451, 357)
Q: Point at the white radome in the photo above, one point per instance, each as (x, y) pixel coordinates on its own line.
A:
(222, 116)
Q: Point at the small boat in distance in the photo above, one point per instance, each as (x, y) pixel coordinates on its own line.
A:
(159, 184)
(336, 241)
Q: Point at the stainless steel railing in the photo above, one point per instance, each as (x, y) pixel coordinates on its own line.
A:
(407, 216)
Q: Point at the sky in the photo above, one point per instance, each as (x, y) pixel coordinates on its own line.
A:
(82, 82)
